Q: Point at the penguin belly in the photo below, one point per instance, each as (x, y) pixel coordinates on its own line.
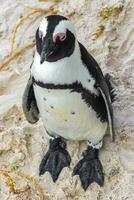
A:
(64, 113)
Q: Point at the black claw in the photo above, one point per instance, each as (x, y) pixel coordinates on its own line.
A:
(89, 169)
(55, 159)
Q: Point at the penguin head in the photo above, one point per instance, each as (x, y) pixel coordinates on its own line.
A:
(55, 38)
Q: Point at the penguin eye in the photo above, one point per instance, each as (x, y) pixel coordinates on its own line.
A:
(41, 35)
(59, 37)
(63, 37)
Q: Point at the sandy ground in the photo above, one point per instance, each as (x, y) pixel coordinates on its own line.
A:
(22, 145)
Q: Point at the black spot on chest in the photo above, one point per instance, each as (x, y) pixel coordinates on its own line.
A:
(73, 113)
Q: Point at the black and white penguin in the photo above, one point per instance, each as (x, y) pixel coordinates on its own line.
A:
(74, 100)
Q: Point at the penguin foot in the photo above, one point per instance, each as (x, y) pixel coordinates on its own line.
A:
(89, 168)
(55, 159)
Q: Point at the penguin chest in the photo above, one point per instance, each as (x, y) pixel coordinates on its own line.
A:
(66, 114)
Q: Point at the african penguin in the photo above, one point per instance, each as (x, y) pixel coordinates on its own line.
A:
(74, 100)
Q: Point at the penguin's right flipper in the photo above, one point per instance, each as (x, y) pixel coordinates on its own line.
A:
(29, 104)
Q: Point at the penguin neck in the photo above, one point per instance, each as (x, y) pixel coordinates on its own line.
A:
(62, 71)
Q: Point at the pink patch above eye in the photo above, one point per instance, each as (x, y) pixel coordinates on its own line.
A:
(41, 35)
(59, 37)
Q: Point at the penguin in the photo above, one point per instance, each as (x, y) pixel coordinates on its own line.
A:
(69, 92)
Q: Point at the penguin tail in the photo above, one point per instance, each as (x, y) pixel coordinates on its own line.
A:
(110, 87)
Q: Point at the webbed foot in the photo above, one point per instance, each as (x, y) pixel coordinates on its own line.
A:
(89, 168)
(55, 159)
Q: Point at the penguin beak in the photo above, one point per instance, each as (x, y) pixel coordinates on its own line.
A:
(47, 50)
(45, 55)
(42, 57)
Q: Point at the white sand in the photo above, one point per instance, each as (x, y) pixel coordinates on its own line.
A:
(26, 144)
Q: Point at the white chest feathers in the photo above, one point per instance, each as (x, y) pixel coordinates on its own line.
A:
(64, 113)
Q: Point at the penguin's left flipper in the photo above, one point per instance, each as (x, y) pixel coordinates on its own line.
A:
(89, 169)
(101, 85)
(29, 104)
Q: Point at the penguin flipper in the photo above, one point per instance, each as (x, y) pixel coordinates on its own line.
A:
(29, 104)
(101, 85)
(107, 101)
